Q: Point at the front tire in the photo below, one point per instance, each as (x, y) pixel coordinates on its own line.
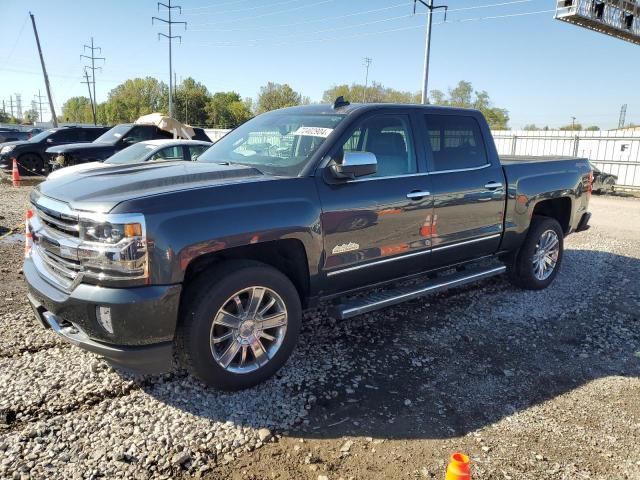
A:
(239, 324)
(30, 164)
(538, 261)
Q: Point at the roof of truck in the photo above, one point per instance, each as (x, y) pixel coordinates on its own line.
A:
(327, 109)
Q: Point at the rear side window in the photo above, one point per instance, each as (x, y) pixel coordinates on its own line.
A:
(456, 143)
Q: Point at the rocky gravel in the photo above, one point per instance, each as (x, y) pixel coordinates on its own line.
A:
(530, 384)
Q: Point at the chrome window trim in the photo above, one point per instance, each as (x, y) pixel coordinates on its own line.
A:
(388, 178)
(409, 255)
(470, 169)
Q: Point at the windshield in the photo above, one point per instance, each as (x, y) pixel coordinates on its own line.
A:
(277, 143)
(41, 136)
(113, 135)
(133, 154)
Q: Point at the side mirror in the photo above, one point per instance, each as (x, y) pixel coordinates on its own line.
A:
(355, 164)
(49, 140)
(129, 140)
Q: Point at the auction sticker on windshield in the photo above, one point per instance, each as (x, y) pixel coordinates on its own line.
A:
(313, 131)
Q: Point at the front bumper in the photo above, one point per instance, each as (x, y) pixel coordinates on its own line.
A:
(143, 320)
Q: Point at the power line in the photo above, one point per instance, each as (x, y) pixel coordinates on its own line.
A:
(216, 5)
(248, 9)
(243, 19)
(368, 34)
(170, 37)
(93, 68)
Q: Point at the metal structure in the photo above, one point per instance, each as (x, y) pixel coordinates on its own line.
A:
(427, 48)
(170, 37)
(367, 64)
(91, 99)
(39, 102)
(54, 119)
(623, 116)
(616, 18)
(93, 68)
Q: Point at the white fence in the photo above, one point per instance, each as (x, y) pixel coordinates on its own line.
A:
(616, 152)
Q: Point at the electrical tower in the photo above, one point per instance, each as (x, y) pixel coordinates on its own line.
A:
(91, 99)
(11, 105)
(427, 48)
(170, 37)
(18, 106)
(93, 68)
(367, 64)
(623, 116)
(39, 103)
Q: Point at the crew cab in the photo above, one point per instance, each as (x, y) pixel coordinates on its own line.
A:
(213, 262)
(30, 154)
(119, 137)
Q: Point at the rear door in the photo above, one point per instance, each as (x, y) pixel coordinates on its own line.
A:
(468, 188)
(374, 227)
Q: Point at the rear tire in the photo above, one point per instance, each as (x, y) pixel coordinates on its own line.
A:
(226, 310)
(538, 261)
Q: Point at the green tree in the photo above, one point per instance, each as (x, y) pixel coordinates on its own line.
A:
(530, 127)
(275, 95)
(575, 126)
(463, 95)
(227, 110)
(134, 98)
(7, 117)
(376, 93)
(30, 116)
(77, 110)
(190, 102)
(593, 128)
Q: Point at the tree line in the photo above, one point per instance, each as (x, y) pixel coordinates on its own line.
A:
(196, 105)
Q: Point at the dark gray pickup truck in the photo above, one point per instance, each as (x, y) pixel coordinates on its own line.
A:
(211, 263)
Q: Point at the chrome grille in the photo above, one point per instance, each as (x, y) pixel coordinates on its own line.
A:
(56, 232)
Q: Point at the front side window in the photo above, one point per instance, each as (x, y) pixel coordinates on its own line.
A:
(278, 143)
(456, 142)
(196, 150)
(388, 137)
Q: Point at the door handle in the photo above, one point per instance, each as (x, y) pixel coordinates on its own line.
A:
(493, 185)
(416, 194)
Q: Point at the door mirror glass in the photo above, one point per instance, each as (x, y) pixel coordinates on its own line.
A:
(129, 140)
(355, 164)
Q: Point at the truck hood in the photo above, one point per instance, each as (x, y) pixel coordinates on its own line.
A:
(77, 147)
(17, 143)
(99, 187)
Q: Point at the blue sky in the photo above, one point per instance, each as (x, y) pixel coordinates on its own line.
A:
(542, 70)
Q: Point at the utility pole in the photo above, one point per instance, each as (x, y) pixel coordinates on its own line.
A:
(573, 123)
(11, 105)
(88, 82)
(367, 64)
(44, 73)
(93, 68)
(623, 116)
(170, 37)
(39, 102)
(427, 48)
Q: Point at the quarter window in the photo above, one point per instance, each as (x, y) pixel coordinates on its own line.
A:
(388, 137)
(456, 143)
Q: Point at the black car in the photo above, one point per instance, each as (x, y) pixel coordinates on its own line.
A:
(112, 141)
(603, 182)
(31, 153)
(12, 135)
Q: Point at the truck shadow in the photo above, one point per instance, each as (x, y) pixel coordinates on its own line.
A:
(443, 366)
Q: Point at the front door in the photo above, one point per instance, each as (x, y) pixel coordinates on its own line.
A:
(375, 227)
(468, 190)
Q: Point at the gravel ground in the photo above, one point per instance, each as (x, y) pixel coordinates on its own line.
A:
(529, 384)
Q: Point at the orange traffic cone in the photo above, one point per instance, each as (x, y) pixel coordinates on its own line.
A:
(28, 236)
(458, 468)
(15, 174)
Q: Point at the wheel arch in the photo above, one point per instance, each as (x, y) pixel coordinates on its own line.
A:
(557, 208)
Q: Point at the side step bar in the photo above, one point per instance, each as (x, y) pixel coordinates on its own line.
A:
(387, 298)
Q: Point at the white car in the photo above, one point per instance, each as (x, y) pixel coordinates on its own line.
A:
(159, 150)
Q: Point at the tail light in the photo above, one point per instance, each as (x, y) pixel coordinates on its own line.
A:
(590, 183)
(28, 236)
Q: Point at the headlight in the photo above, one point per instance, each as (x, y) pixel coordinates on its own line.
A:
(7, 148)
(114, 247)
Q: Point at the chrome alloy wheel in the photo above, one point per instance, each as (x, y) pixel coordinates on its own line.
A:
(248, 329)
(546, 255)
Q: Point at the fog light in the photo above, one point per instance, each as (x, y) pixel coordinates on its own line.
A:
(103, 314)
